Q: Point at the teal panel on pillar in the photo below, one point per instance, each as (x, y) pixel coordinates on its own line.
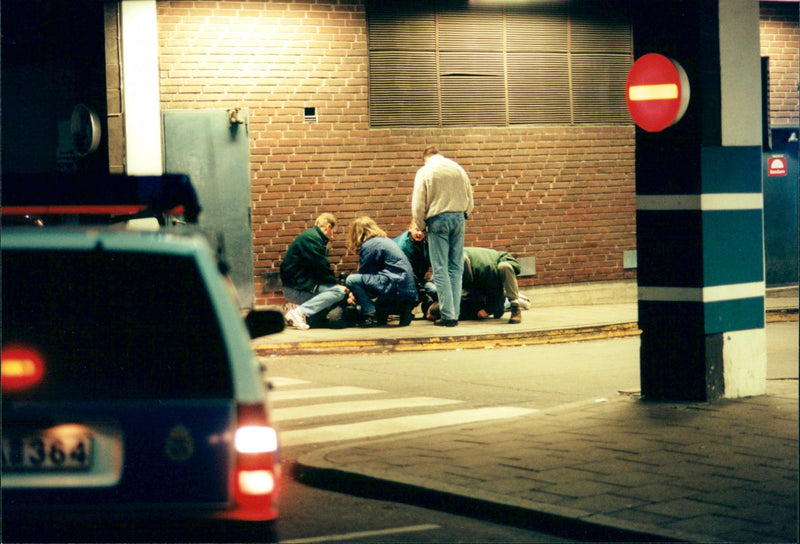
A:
(735, 169)
(734, 315)
(733, 247)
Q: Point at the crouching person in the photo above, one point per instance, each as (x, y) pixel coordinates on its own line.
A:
(490, 277)
(308, 279)
(414, 244)
(384, 283)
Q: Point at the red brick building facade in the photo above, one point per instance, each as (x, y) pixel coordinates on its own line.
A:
(780, 41)
(561, 194)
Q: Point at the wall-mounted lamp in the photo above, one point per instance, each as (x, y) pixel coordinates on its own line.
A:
(235, 116)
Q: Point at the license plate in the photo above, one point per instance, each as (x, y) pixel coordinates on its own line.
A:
(46, 452)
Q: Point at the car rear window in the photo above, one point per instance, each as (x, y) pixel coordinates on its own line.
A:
(113, 325)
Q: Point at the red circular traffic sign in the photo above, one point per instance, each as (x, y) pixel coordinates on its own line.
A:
(657, 92)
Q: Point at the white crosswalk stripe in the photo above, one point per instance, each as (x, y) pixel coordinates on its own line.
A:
(341, 391)
(279, 381)
(356, 406)
(395, 425)
(305, 414)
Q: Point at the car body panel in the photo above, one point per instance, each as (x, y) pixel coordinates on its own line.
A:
(146, 370)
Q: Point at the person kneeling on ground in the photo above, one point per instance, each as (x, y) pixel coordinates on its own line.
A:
(384, 274)
(490, 277)
(309, 280)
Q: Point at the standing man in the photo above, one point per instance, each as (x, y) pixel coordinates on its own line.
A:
(441, 202)
(307, 276)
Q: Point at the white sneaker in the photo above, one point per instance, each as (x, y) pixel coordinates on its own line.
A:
(296, 319)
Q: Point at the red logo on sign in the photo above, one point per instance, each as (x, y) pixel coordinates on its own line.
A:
(776, 166)
(657, 92)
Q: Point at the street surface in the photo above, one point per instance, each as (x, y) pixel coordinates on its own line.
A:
(322, 400)
(310, 515)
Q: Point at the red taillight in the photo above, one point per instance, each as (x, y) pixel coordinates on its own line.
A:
(22, 368)
(255, 479)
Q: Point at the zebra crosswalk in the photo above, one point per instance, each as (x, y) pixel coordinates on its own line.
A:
(306, 413)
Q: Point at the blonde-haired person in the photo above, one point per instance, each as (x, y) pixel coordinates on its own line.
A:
(384, 274)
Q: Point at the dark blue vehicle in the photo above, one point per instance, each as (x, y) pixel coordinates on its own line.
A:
(133, 407)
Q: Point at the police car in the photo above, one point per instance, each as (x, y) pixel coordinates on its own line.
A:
(133, 407)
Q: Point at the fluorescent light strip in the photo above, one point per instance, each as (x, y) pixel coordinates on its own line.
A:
(717, 293)
(704, 202)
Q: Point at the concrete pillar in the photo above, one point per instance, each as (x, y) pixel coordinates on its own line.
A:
(700, 207)
(141, 99)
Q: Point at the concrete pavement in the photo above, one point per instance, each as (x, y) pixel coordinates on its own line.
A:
(619, 470)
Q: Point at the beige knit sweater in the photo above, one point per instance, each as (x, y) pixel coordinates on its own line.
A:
(440, 186)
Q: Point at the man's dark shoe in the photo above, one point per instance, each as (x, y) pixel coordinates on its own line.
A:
(405, 314)
(368, 321)
(516, 313)
(381, 317)
(446, 322)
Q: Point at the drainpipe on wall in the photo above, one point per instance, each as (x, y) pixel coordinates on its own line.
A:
(116, 115)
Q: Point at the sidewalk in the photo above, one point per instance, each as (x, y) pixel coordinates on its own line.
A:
(623, 470)
(541, 324)
(620, 470)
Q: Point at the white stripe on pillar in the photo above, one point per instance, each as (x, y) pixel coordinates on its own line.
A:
(704, 202)
(717, 293)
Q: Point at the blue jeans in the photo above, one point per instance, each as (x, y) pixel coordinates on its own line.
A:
(325, 297)
(446, 248)
(362, 293)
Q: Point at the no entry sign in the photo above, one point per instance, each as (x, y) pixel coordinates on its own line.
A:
(657, 92)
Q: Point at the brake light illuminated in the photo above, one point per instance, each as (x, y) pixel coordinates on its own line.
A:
(256, 439)
(257, 466)
(256, 482)
(22, 367)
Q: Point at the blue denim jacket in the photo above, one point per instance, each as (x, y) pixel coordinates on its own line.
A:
(386, 270)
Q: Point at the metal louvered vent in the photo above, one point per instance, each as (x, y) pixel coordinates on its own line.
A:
(445, 64)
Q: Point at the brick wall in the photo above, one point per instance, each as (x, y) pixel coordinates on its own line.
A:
(564, 195)
(780, 41)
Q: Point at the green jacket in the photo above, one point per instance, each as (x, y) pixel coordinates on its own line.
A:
(482, 280)
(305, 265)
(417, 253)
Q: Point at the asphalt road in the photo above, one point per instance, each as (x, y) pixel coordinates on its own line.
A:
(319, 399)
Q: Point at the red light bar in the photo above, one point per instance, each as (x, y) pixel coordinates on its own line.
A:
(130, 209)
(22, 367)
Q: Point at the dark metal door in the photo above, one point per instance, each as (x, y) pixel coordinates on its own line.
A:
(781, 242)
(215, 153)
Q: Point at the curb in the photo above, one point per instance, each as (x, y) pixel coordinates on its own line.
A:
(313, 469)
(474, 341)
(781, 315)
(433, 343)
